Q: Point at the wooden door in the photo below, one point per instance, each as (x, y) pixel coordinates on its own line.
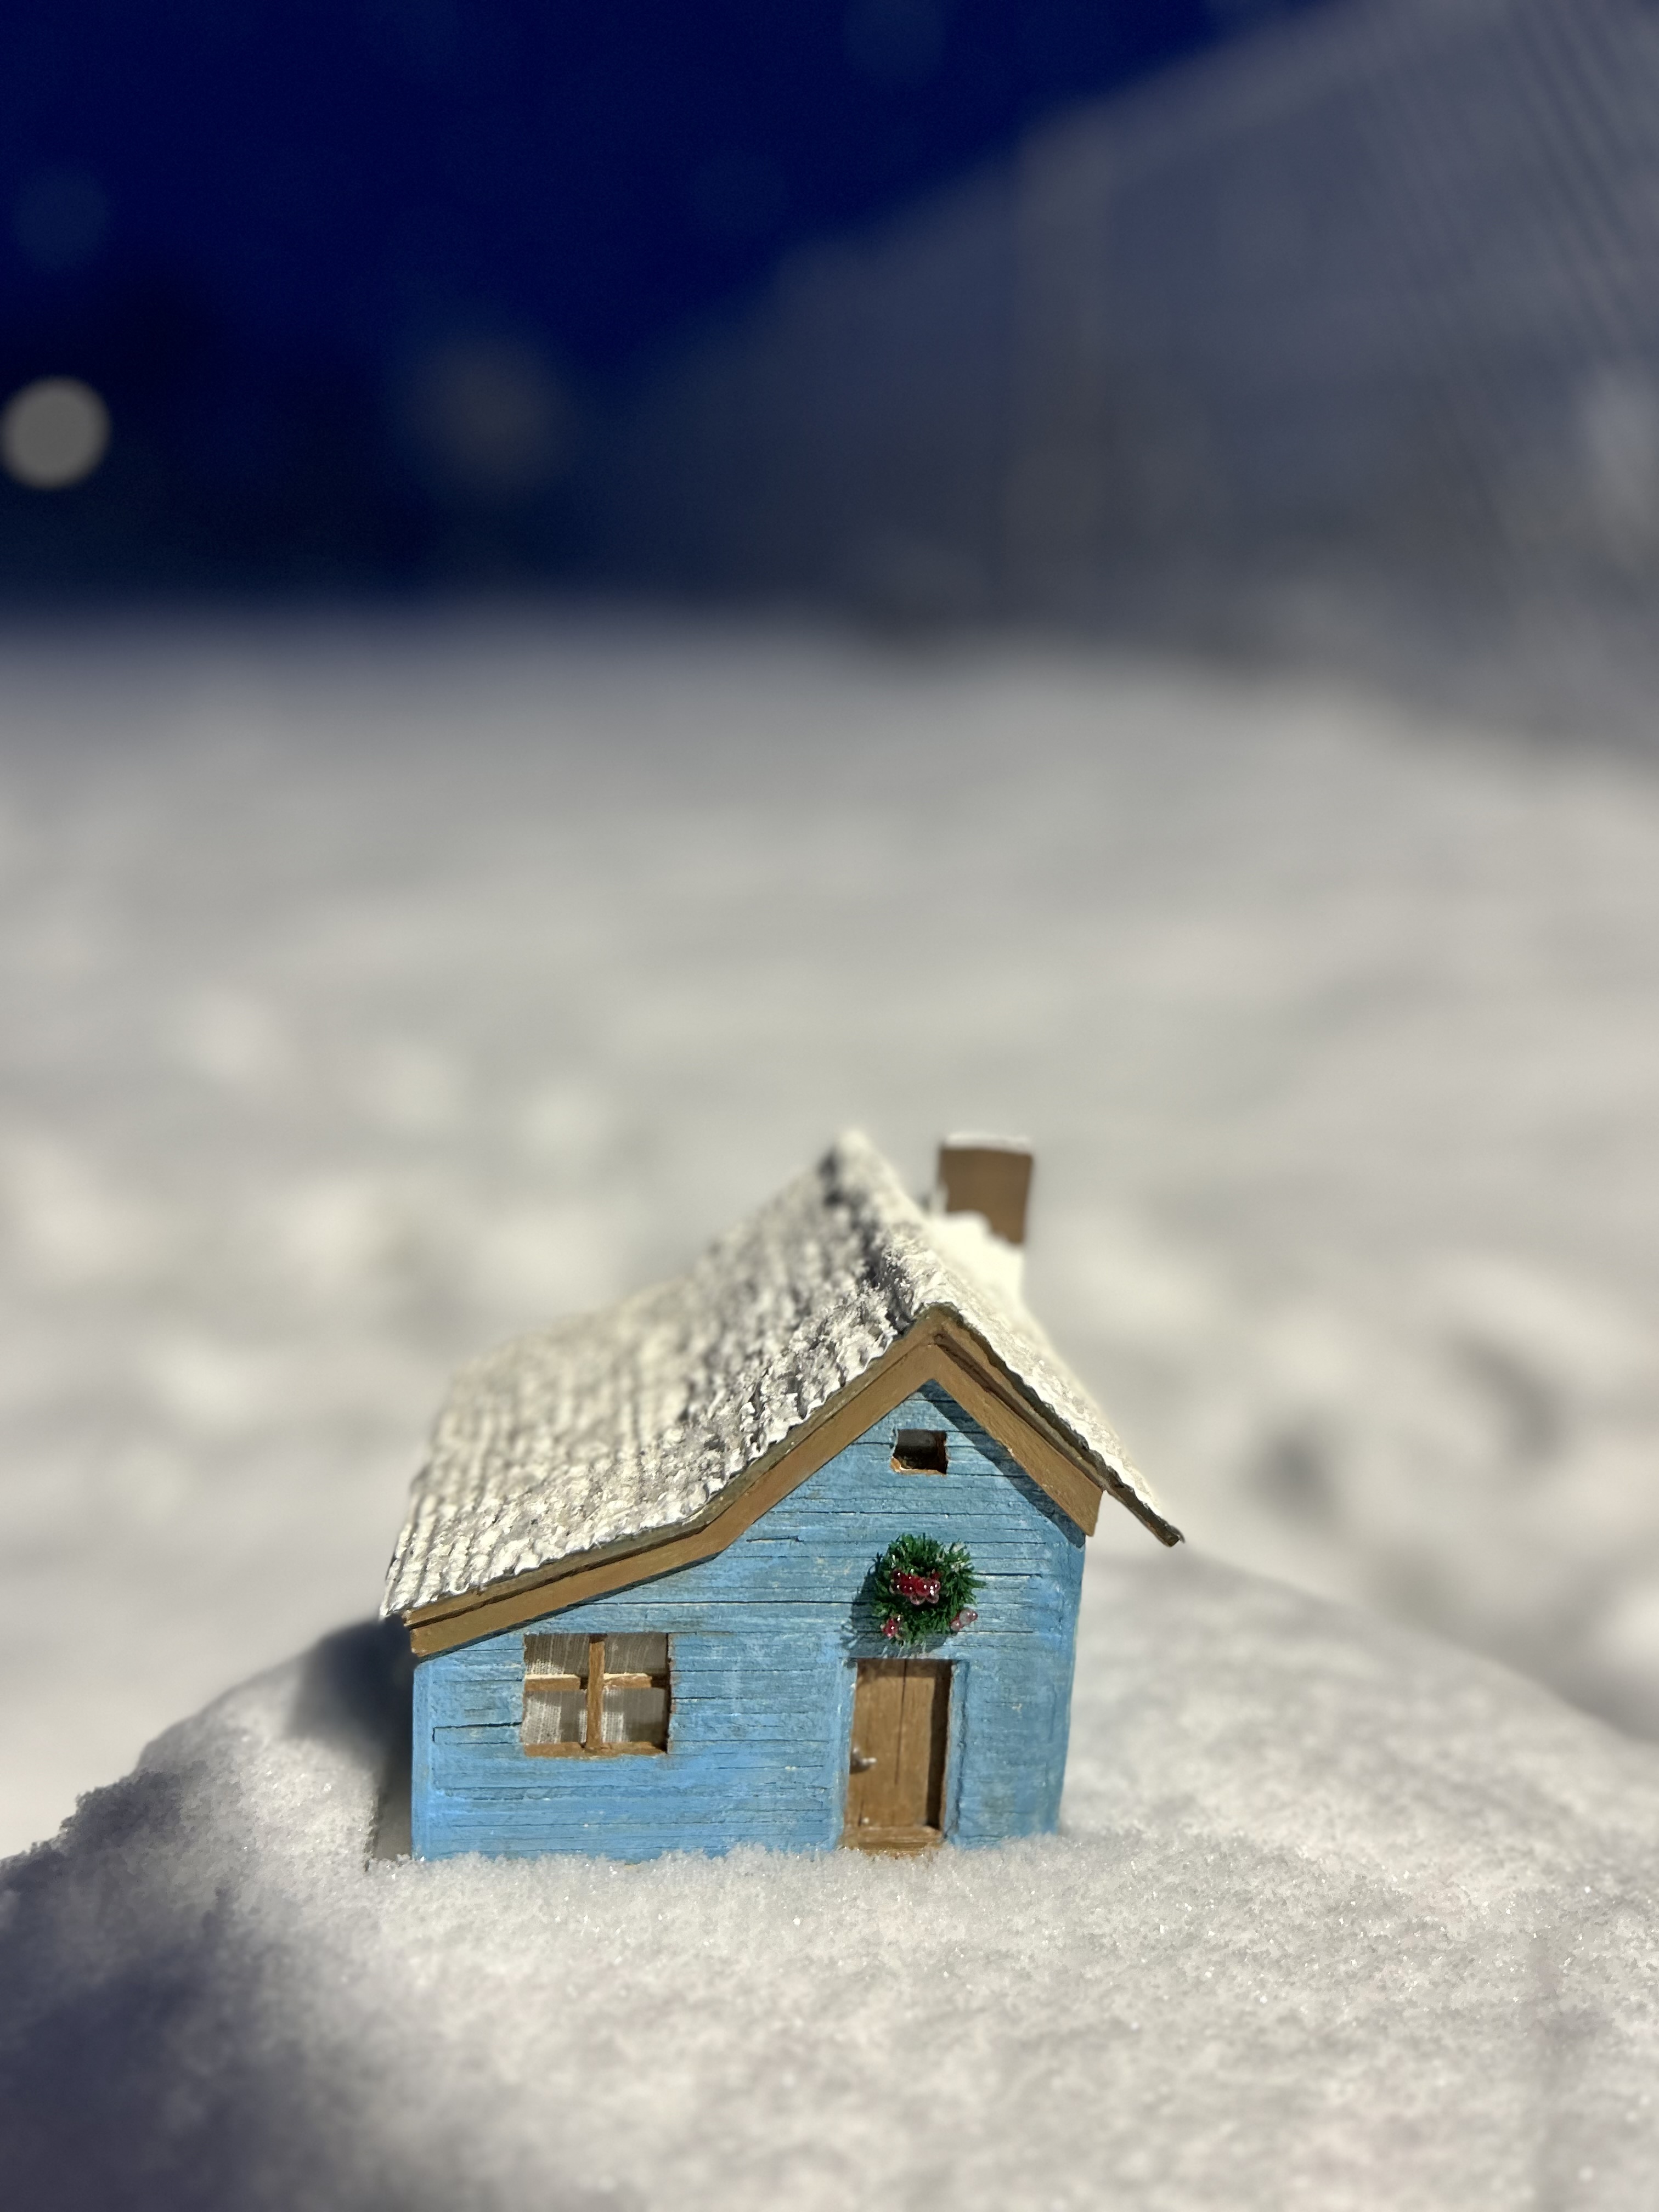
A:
(896, 1788)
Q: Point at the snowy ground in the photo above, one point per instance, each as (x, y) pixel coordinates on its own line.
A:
(1339, 1918)
(368, 996)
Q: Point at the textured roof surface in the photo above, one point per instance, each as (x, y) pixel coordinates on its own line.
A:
(615, 1423)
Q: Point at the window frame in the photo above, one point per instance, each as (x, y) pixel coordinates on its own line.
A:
(598, 1681)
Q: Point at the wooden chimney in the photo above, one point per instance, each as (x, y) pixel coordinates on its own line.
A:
(990, 1176)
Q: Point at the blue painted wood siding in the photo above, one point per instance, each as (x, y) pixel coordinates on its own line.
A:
(764, 1641)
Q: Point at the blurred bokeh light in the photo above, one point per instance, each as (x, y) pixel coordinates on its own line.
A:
(53, 433)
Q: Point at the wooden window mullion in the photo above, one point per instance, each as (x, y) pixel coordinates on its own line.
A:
(595, 1692)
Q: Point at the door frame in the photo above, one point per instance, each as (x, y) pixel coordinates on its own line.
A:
(955, 1700)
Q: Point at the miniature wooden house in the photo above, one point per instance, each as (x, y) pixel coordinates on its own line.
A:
(677, 1576)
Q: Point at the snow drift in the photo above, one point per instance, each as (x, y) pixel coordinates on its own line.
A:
(1337, 1917)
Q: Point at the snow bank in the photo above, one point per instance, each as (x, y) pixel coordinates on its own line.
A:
(1339, 1918)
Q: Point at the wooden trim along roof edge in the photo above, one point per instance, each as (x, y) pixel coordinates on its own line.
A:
(1034, 1420)
(805, 1449)
(939, 1347)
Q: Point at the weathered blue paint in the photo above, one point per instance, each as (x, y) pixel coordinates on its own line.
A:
(764, 1644)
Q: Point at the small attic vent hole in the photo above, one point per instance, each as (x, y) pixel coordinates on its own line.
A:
(920, 1451)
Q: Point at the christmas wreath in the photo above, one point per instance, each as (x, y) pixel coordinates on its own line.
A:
(923, 1590)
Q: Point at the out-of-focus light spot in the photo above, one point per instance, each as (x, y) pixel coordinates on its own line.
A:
(60, 218)
(896, 42)
(53, 433)
(737, 197)
(491, 420)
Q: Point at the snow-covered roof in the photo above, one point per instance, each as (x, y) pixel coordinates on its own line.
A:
(613, 1425)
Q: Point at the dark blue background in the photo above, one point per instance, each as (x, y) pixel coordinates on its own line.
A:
(248, 223)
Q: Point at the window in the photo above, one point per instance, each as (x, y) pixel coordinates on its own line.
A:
(595, 1696)
(920, 1451)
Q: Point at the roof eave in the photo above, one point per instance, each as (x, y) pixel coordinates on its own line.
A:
(938, 1346)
